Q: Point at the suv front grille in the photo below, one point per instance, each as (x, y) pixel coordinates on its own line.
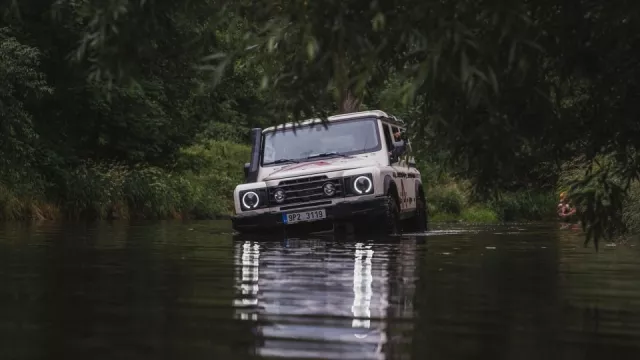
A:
(305, 190)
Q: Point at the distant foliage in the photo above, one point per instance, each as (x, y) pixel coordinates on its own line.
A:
(22, 83)
(216, 167)
(99, 102)
(448, 199)
(530, 205)
(631, 209)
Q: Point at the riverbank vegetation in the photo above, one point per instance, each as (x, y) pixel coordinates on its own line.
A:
(199, 183)
(123, 108)
(197, 186)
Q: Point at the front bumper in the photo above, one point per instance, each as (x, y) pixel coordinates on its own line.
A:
(343, 211)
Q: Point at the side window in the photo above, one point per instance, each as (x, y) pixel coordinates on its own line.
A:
(399, 141)
(395, 131)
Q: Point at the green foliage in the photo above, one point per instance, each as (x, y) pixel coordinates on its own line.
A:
(98, 191)
(530, 205)
(11, 207)
(209, 157)
(449, 202)
(474, 214)
(91, 188)
(447, 199)
(126, 85)
(480, 214)
(154, 193)
(604, 193)
(631, 209)
(22, 83)
(450, 199)
(100, 102)
(215, 168)
(202, 188)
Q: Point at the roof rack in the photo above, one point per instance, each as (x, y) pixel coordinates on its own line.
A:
(396, 120)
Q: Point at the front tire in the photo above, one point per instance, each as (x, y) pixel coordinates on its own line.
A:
(391, 221)
(420, 222)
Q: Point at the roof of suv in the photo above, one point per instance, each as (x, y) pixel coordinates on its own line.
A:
(353, 115)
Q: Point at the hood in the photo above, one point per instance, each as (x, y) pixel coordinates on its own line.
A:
(317, 166)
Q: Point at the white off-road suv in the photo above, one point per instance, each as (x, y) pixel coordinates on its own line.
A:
(354, 170)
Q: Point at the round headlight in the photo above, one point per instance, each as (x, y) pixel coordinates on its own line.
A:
(329, 189)
(278, 195)
(250, 200)
(362, 184)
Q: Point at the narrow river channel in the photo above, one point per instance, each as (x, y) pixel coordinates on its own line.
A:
(171, 290)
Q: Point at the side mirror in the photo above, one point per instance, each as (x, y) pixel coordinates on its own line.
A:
(247, 166)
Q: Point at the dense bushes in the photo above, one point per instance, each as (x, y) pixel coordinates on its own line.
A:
(199, 186)
(79, 141)
(213, 169)
(631, 209)
(447, 199)
(450, 199)
(525, 205)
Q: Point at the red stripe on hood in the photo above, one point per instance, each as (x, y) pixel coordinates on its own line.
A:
(295, 166)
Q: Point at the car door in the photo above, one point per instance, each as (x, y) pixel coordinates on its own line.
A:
(404, 183)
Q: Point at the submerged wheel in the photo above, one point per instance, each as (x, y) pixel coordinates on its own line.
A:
(420, 223)
(391, 221)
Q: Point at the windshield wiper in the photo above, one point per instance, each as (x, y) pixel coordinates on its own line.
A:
(282, 161)
(325, 154)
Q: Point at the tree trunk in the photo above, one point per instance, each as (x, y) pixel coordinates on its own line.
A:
(348, 102)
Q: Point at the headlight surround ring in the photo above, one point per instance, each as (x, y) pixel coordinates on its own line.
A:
(245, 200)
(362, 185)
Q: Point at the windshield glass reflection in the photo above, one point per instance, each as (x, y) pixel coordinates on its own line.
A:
(344, 137)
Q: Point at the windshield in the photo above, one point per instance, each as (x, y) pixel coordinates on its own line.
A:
(338, 138)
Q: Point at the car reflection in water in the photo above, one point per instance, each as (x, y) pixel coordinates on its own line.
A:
(247, 282)
(325, 300)
(362, 294)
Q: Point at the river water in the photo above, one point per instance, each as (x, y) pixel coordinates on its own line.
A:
(170, 290)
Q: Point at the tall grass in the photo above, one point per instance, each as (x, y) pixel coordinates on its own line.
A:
(525, 205)
(199, 185)
(449, 199)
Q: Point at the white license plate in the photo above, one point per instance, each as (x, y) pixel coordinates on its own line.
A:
(302, 216)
